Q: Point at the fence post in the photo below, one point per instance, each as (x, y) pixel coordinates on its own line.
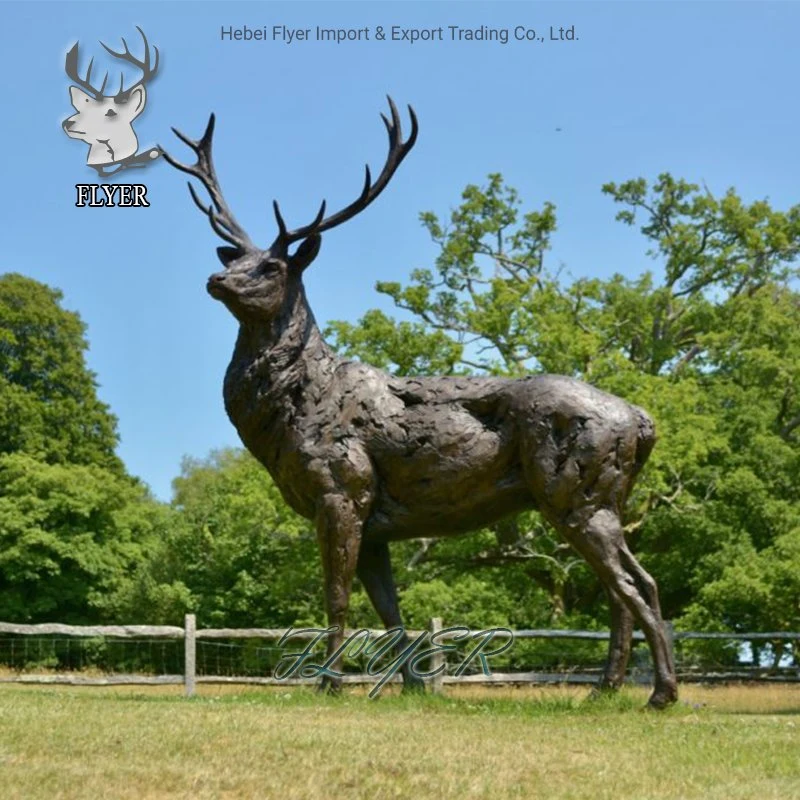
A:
(438, 659)
(190, 652)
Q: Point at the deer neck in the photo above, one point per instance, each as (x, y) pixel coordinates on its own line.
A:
(278, 358)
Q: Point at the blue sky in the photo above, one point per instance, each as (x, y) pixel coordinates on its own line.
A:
(706, 91)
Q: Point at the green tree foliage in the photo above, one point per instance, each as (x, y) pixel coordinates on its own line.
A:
(71, 535)
(246, 559)
(74, 527)
(708, 342)
(48, 402)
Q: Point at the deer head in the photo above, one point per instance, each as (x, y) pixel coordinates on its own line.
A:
(105, 122)
(256, 283)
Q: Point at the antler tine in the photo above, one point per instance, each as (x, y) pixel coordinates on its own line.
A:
(148, 71)
(219, 215)
(398, 150)
(71, 68)
(292, 236)
(147, 53)
(392, 127)
(219, 225)
(279, 219)
(320, 215)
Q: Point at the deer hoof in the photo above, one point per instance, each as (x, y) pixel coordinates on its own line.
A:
(413, 685)
(330, 686)
(663, 698)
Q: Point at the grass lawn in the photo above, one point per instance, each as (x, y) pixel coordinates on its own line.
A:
(92, 742)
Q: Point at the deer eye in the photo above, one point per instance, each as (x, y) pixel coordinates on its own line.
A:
(268, 269)
(111, 113)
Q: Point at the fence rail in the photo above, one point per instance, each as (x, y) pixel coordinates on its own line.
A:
(190, 635)
(119, 631)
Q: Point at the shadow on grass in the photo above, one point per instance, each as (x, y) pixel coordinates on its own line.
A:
(508, 701)
(780, 712)
(396, 702)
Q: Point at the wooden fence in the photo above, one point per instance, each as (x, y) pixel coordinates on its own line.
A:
(190, 635)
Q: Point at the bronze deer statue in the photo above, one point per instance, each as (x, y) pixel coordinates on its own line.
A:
(372, 458)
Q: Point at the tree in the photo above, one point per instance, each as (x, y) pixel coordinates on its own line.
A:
(710, 346)
(48, 401)
(74, 526)
(246, 558)
(71, 535)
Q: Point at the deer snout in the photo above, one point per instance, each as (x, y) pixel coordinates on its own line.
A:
(216, 281)
(68, 124)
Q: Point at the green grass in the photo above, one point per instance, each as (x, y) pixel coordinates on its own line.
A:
(730, 742)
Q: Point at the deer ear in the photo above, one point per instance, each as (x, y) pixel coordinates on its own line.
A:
(137, 99)
(228, 254)
(76, 96)
(307, 252)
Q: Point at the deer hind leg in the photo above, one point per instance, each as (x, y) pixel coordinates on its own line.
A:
(374, 570)
(619, 645)
(339, 534)
(580, 469)
(600, 540)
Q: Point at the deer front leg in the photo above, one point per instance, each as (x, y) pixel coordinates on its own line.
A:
(374, 570)
(339, 536)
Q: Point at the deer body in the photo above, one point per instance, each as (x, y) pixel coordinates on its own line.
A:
(372, 458)
(431, 456)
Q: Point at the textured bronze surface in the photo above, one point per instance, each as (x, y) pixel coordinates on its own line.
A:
(372, 458)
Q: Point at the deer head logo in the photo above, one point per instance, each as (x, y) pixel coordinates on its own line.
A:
(105, 122)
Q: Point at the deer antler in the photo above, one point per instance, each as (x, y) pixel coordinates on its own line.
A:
(398, 150)
(219, 215)
(148, 71)
(71, 68)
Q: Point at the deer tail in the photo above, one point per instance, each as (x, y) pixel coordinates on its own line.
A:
(645, 440)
